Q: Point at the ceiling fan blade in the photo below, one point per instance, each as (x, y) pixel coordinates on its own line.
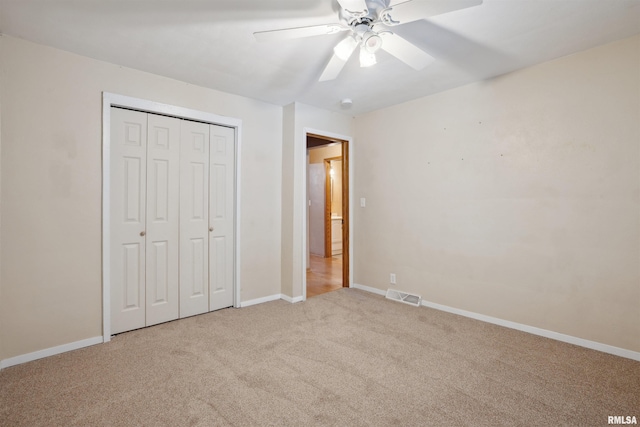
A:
(332, 69)
(341, 54)
(415, 10)
(356, 7)
(405, 51)
(298, 32)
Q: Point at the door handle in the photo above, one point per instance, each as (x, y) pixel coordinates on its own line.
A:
(210, 228)
(142, 233)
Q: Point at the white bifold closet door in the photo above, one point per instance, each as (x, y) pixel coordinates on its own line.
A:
(194, 219)
(172, 196)
(128, 219)
(221, 216)
(163, 212)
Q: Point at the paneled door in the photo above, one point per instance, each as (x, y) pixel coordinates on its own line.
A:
(194, 218)
(128, 219)
(163, 213)
(221, 217)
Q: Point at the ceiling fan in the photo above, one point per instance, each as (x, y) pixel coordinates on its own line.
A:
(369, 25)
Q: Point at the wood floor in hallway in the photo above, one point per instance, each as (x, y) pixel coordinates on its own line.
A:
(324, 275)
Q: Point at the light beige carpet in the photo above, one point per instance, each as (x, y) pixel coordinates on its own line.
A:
(347, 358)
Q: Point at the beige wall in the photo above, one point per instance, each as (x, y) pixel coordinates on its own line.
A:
(516, 198)
(1, 79)
(336, 192)
(50, 239)
(297, 118)
(318, 154)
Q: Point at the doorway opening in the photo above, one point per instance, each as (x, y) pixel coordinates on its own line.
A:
(328, 215)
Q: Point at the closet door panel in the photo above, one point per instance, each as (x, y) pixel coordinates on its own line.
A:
(194, 218)
(128, 217)
(163, 219)
(221, 217)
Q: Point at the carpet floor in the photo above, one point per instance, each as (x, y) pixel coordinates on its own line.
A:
(345, 358)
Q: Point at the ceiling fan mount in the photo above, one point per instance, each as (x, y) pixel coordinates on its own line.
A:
(368, 22)
(372, 11)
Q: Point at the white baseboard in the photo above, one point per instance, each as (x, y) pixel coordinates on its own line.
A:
(270, 298)
(370, 289)
(24, 358)
(17, 360)
(259, 300)
(605, 348)
(291, 300)
(593, 345)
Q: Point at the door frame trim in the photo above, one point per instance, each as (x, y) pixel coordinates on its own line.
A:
(114, 100)
(349, 191)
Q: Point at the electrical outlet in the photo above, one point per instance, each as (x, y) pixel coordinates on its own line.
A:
(392, 278)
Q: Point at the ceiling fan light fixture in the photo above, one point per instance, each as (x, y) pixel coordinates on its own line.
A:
(367, 59)
(371, 41)
(368, 24)
(345, 48)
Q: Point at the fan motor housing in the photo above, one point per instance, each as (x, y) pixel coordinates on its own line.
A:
(374, 11)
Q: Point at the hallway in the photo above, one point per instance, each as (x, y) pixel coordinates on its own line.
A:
(324, 275)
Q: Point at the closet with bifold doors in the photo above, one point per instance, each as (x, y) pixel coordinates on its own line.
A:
(172, 196)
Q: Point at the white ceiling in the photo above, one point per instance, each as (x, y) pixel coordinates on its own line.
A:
(210, 43)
